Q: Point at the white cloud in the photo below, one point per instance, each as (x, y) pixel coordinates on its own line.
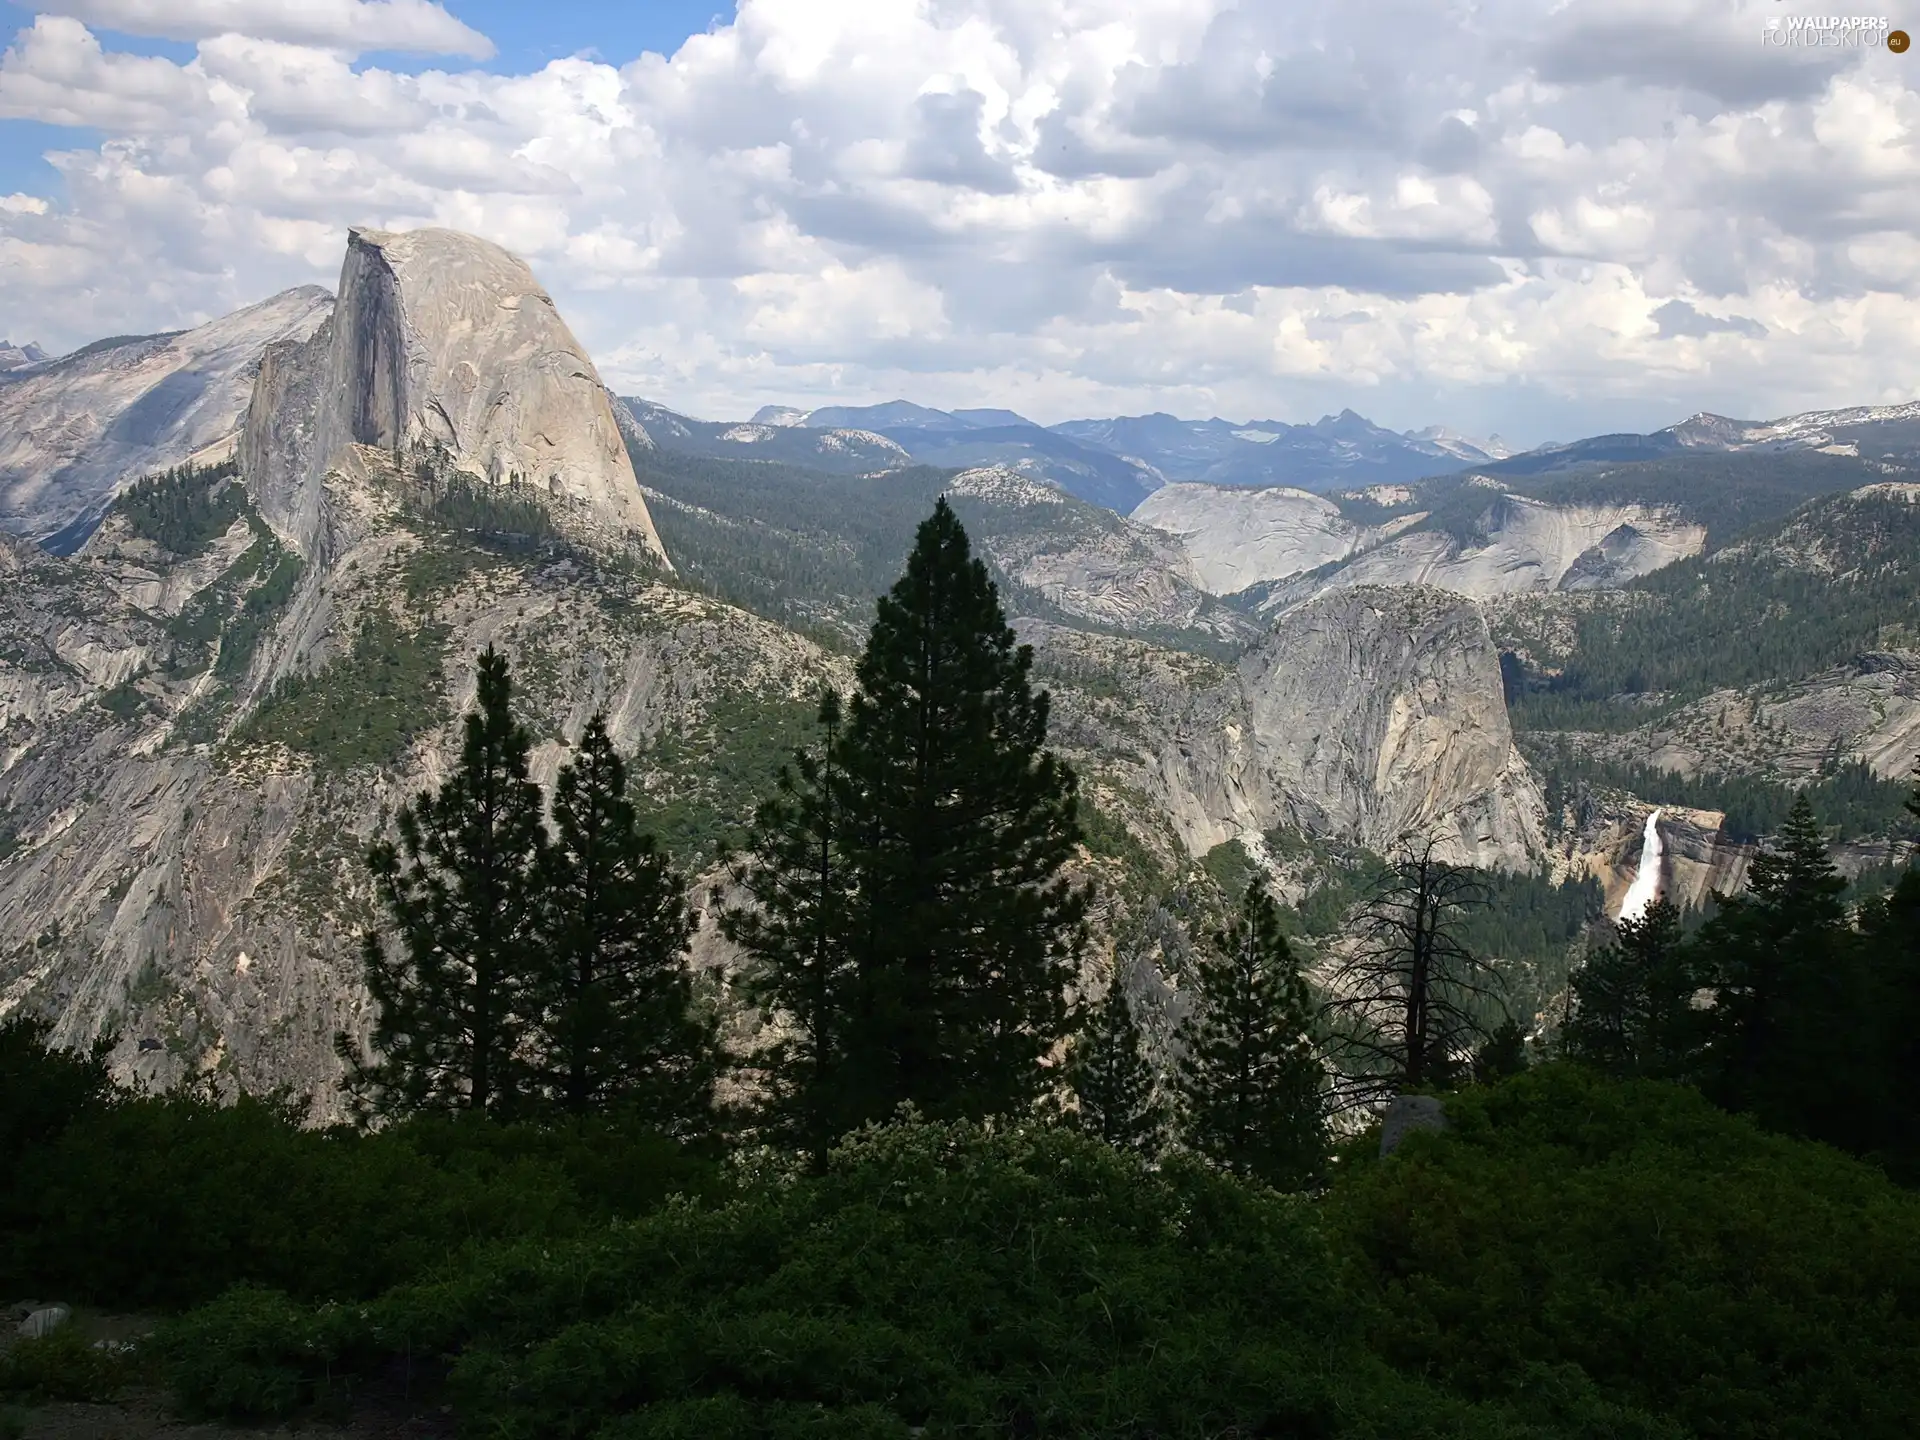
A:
(1062, 205)
(412, 26)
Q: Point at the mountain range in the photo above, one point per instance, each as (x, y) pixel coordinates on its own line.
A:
(1271, 646)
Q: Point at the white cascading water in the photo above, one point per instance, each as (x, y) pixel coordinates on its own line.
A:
(1646, 881)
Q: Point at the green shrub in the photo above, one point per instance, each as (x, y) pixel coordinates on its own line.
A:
(1028, 1281)
(43, 1090)
(165, 1201)
(253, 1354)
(62, 1366)
(1634, 1239)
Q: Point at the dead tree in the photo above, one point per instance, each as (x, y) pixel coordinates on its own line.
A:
(1407, 1002)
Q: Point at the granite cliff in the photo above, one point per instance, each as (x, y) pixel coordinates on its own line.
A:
(1298, 544)
(441, 344)
(74, 430)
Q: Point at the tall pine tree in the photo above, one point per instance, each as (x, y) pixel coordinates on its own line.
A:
(1112, 1079)
(461, 893)
(966, 932)
(617, 1027)
(1251, 1085)
(1791, 994)
(1633, 1012)
(795, 930)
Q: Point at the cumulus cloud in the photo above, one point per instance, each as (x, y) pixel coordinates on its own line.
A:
(1678, 318)
(411, 26)
(1466, 212)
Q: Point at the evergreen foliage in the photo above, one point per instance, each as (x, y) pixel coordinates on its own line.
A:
(186, 508)
(797, 873)
(1572, 1235)
(1250, 1081)
(1786, 1042)
(965, 932)
(615, 1026)
(1502, 1055)
(1576, 1259)
(1409, 1002)
(462, 893)
(1847, 795)
(123, 1200)
(1632, 1010)
(366, 706)
(1112, 1080)
(1838, 578)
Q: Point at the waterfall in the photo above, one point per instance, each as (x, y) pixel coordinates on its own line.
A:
(1646, 881)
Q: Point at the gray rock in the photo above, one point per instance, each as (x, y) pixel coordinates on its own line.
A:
(1407, 1114)
(75, 431)
(440, 341)
(44, 1321)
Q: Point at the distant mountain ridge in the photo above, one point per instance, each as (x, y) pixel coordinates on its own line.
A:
(19, 357)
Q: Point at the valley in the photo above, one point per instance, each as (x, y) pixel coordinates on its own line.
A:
(1270, 647)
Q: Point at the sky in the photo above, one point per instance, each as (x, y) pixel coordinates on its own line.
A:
(1541, 218)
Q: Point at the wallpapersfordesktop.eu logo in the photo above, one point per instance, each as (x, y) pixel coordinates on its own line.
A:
(1833, 31)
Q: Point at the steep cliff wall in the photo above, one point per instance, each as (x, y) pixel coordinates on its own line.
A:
(77, 429)
(1362, 715)
(442, 343)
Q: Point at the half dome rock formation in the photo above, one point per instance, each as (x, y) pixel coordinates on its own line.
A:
(74, 431)
(441, 345)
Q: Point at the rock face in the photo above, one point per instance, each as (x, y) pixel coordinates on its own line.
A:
(1362, 716)
(1235, 539)
(441, 344)
(1408, 1114)
(1375, 713)
(1090, 564)
(73, 431)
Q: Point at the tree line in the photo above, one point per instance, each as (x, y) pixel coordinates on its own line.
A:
(1787, 1004)
(912, 936)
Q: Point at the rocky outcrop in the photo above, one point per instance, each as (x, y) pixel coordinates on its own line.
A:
(1868, 709)
(1363, 716)
(73, 431)
(1237, 539)
(442, 345)
(1086, 562)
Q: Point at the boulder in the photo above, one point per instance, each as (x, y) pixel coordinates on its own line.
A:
(1407, 1114)
(44, 1321)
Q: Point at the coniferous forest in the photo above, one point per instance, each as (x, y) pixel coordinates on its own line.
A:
(949, 1190)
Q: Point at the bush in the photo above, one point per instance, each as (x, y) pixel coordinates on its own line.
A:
(1631, 1238)
(939, 1276)
(62, 1366)
(164, 1201)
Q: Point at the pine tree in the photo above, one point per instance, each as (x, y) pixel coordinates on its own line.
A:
(1251, 1086)
(1791, 1000)
(461, 892)
(1502, 1054)
(1407, 999)
(617, 1027)
(1890, 940)
(1112, 1080)
(1633, 1011)
(966, 931)
(797, 876)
